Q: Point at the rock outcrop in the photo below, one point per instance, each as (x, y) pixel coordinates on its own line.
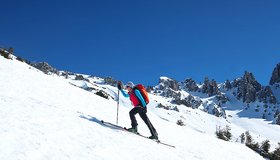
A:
(275, 78)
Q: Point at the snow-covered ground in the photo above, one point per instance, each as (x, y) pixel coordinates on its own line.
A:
(45, 117)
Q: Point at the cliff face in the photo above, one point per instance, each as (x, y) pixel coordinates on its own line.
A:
(248, 88)
(275, 78)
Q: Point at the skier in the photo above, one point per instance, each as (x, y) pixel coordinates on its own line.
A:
(140, 107)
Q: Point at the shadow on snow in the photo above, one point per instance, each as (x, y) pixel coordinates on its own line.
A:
(100, 122)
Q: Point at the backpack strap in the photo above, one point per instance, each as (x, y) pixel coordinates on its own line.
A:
(140, 99)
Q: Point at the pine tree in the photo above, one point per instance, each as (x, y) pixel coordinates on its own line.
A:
(278, 119)
(242, 138)
(248, 138)
(250, 143)
(219, 133)
(276, 153)
(265, 146)
(227, 133)
(223, 134)
(264, 149)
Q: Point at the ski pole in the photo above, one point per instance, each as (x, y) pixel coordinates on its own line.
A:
(118, 106)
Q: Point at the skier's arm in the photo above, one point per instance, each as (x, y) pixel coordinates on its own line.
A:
(124, 93)
(138, 94)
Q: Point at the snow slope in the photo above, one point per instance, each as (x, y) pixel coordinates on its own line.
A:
(45, 117)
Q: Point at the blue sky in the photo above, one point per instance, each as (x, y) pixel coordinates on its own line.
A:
(140, 41)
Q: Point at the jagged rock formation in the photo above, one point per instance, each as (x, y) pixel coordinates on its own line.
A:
(169, 93)
(110, 81)
(266, 95)
(218, 112)
(236, 82)
(210, 87)
(277, 121)
(248, 88)
(81, 77)
(103, 94)
(7, 53)
(168, 88)
(168, 83)
(214, 108)
(275, 78)
(189, 101)
(190, 85)
(168, 107)
(45, 67)
(66, 74)
(222, 98)
(227, 85)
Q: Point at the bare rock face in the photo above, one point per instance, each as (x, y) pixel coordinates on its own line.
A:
(266, 95)
(7, 53)
(168, 88)
(236, 82)
(277, 119)
(170, 93)
(110, 81)
(103, 94)
(189, 101)
(210, 87)
(190, 85)
(168, 83)
(275, 78)
(45, 67)
(81, 77)
(222, 98)
(168, 107)
(227, 85)
(248, 88)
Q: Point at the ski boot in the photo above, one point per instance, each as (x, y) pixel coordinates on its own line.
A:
(153, 137)
(133, 130)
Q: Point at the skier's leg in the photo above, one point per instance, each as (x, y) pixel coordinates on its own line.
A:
(145, 118)
(132, 114)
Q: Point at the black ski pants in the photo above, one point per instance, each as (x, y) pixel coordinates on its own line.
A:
(142, 112)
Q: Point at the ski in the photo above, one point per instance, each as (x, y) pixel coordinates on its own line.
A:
(114, 126)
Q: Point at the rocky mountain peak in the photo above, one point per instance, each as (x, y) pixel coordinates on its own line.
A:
(275, 78)
(167, 87)
(210, 87)
(248, 88)
(166, 82)
(190, 85)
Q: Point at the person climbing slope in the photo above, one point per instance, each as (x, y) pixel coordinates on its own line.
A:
(139, 99)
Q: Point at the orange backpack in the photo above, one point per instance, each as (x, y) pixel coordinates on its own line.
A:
(143, 92)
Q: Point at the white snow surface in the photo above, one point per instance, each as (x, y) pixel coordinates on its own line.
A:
(44, 117)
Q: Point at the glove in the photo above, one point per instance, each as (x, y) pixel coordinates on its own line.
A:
(119, 85)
